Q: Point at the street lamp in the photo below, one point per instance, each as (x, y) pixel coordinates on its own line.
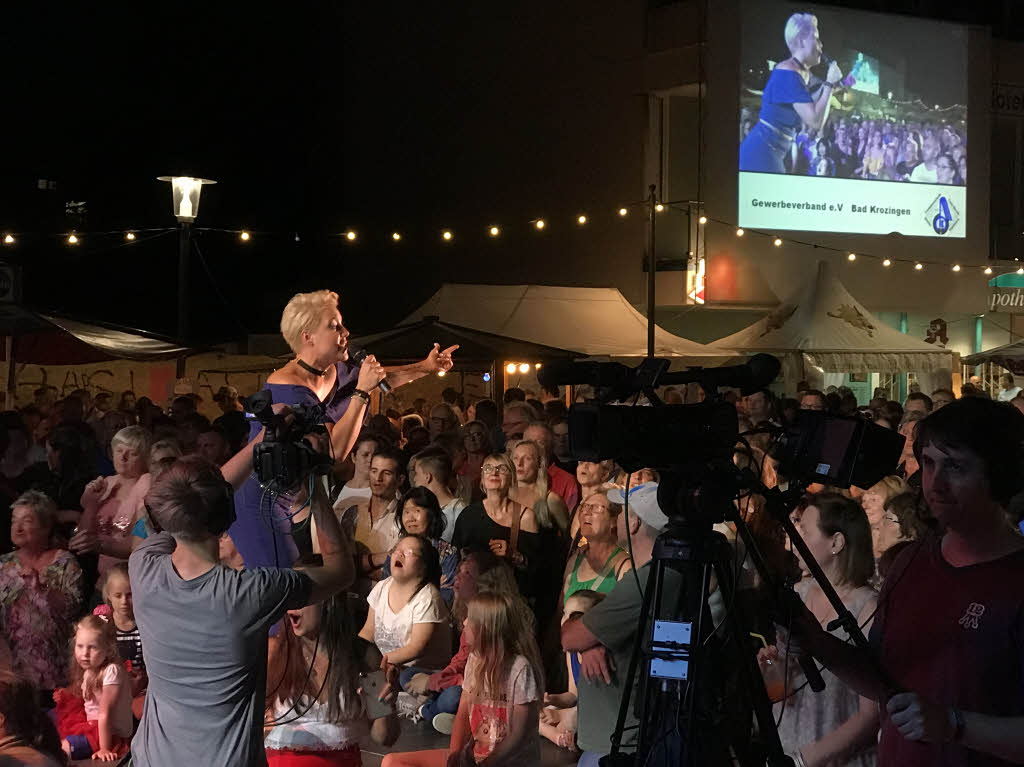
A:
(185, 199)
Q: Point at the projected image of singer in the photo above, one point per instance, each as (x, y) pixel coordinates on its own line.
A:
(320, 374)
(787, 104)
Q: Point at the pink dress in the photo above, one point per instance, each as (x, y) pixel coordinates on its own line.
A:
(117, 515)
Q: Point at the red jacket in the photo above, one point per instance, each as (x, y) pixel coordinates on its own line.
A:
(452, 674)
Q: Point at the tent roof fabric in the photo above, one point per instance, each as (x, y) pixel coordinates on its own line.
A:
(834, 330)
(1009, 356)
(596, 322)
(44, 339)
(413, 341)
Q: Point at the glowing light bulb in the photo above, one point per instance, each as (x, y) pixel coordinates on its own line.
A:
(129, 236)
(659, 207)
(524, 368)
(244, 237)
(8, 239)
(919, 266)
(956, 267)
(887, 262)
(539, 223)
(447, 235)
(396, 236)
(536, 366)
(852, 257)
(1021, 270)
(623, 212)
(702, 220)
(72, 239)
(440, 374)
(494, 231)
(778, 242)
(510, 367)
(739, 232)
(350, 235)
(487, 377)
(988, 270)
(581, 220)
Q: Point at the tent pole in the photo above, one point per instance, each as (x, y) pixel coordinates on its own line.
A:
(652, 268)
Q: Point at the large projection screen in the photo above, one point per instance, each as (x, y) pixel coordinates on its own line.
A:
(885, 152)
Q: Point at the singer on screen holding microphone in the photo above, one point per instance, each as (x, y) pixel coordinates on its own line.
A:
(786, 102)
(321, 373)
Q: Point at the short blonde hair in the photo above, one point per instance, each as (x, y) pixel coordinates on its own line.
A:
(798, 25)
(136, 437)
(302, 313)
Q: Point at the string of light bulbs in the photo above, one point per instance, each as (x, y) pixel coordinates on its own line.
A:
(352, 236)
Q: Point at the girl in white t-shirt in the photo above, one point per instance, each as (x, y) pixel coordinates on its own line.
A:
(407, 619)
(97, 674)
(501, 694)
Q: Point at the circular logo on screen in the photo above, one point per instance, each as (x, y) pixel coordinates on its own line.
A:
(942, 215)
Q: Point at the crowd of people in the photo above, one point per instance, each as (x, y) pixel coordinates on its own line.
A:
(454, 568)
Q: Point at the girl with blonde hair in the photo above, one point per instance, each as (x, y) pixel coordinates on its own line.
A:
(499, 711)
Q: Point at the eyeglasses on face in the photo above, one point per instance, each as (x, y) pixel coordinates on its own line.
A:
(593, 508)
(492, 469)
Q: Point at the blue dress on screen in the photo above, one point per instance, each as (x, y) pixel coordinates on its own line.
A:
(262, 535)
(766, 146)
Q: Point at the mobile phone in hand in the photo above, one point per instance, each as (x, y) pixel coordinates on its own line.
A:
(372, 685)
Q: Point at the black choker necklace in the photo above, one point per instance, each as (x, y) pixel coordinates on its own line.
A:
(310, 368)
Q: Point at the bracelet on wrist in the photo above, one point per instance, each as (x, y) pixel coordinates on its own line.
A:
(364, 396)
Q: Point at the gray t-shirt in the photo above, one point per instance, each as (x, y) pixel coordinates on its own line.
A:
(614, 622)
(205, 643)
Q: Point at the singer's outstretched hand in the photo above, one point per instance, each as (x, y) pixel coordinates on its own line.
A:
(439, 359)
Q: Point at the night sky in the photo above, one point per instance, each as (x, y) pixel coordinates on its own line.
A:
(313, 117)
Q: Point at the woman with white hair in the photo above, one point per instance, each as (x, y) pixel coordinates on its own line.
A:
(112, 505)
(319, 375)
(786, 103)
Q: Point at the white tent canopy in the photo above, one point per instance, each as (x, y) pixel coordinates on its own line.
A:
(834, 332)
(598, 322)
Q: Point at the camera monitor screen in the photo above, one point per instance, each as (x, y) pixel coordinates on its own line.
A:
(851, 121)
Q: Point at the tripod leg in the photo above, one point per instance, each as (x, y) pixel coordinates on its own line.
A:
(767, 731)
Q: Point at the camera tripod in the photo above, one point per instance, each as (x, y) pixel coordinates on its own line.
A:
(702, 673)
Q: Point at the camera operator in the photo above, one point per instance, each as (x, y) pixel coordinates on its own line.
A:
(320, 374)
(204, 627)
(950, 624)
(604, 636)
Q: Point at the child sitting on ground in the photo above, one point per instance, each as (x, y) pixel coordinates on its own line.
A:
(117, 593)
(559, 718)
(94, 715)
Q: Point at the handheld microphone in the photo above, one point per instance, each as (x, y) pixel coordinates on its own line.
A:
(357, 356)
(847, 81)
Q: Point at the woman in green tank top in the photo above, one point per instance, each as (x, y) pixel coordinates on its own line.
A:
(599, 564)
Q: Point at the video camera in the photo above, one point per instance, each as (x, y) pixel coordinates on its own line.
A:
(698, 441)
(284, 457)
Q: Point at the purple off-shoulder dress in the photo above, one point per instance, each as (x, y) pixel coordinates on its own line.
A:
(262, 534)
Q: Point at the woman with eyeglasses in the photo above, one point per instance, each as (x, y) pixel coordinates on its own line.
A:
(601, 563)
(510, 530)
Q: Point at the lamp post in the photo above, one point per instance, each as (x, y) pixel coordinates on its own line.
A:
(185, 197)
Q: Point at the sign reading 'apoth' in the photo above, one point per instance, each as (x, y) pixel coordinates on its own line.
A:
(1007, 294)
(1009, 300)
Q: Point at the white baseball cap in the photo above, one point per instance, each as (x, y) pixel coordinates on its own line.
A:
(643, 501)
